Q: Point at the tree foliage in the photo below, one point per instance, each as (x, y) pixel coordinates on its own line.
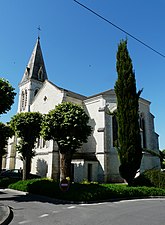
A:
(130, 151)
(67, 124)
(5, 133)
(6, 96)
(27, 127)
(162, 158)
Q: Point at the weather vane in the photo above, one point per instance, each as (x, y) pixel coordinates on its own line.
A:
(39, 30)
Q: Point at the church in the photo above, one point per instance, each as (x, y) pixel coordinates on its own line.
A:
(97, 160)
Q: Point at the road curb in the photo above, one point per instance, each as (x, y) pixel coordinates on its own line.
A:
(7, 215)
(16, 191)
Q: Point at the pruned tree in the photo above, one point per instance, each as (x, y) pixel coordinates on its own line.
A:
(27, 127)
(129, 150)
(5, 133)
(67, 124)
(7, 95)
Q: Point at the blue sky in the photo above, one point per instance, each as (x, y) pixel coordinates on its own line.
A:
(79, 48)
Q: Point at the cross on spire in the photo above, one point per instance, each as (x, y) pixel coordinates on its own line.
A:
(39, 31)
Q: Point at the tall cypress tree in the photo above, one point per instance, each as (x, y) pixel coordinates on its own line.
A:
(129, 150)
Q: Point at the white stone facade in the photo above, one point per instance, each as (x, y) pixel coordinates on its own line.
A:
(97, 160)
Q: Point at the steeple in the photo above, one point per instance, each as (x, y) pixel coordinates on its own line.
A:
(36, 67)
(33, 79)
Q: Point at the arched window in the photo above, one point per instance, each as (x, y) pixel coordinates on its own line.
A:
(142, 130)
(38, 143)
(36, 91)
(115, 131)
(23, 103)
(25, 98)
(22, 100)
(27, 71)
(40, 73)
(43, 143)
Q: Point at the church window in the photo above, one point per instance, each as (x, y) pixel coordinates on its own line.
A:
(22, 100)
(23, 103)
(40, 73)
(45, 99)
(27, 71)
(114, 131)
(41, 143)
(25, 98)
(142, 131)
(44, 143)
(47, 144)
(36, 91)
(38, 143)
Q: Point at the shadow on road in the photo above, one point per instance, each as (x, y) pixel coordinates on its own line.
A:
(8, 195)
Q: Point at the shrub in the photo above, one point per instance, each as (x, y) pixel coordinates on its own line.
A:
(22, 185)
(5, 182)
(85, 192)
(151, 178)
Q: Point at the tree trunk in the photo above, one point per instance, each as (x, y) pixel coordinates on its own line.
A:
(26, 167)
(128, 172)
(0, 163)
(65, 165)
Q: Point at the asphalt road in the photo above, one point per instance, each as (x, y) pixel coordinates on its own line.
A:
(36, 210)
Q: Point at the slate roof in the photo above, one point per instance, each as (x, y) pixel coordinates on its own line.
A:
(35, 65)
(69, 93)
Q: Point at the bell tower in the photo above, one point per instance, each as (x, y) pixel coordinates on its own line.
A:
(32, 80)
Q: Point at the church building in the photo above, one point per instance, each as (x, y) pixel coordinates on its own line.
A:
(96, 160)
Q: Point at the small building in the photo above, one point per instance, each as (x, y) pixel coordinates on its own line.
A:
(97, 160)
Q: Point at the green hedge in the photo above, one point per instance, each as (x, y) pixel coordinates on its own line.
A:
(5, 182)
(150, 183)
(85, 192)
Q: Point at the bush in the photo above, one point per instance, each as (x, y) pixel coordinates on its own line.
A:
(5, 182)
(22, 185)
(151, 178)
(85, 192)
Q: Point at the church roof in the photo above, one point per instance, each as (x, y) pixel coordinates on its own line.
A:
(107, 92)
(69, 93)
(112, 92)
(36, 67)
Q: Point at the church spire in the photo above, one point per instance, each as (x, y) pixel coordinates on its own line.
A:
(36, 67)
